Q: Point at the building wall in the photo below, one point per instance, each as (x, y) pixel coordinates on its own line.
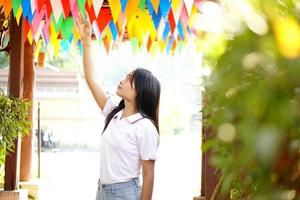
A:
(68, 111)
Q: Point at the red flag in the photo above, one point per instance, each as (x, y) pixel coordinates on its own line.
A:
(48, 7)
(171, 20)
(91, 13)
(66, 8)
(44, 4)
(103, 18)
(40, 4)
(26, 29)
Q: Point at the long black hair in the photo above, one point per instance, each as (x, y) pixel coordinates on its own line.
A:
(147, 99)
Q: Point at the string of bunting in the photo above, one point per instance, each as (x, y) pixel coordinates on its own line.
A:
(162, 25)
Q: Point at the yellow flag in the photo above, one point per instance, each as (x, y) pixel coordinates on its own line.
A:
(137, 25)
(55, 44)
(130, 26)
(146, 24)
(162, 45)
(115, 7)
(194, 10)
(154, 49)
(151, 29)
(54, 41)
(37, 48)
(108, 34)
(19, 14)
(29, 36)
(53, 32)
(131, 8)
(76, 33)
(175, 4)
(140, 25)
(138, 32)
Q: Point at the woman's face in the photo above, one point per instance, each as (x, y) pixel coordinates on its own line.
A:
(126, 89)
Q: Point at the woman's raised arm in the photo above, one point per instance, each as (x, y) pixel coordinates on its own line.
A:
(84, 29)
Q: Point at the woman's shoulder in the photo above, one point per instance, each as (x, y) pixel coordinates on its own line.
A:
(146, 124)
(111, 103)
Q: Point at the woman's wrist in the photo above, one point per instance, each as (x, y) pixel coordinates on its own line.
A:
(86, 41)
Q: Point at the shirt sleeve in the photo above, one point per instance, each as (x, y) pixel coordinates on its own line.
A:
(147, 140)
(109, 106)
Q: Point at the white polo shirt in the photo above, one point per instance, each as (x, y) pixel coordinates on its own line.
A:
(125, 142)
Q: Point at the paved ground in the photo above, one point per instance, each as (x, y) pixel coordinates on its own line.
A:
(73, 175)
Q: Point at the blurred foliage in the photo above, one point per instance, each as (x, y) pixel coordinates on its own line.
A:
(3, 59)
(13, 121)
(252, 99)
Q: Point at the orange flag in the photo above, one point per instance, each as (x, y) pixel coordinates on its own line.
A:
(7, 7)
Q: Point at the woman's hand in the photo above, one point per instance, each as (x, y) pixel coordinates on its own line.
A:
(83, 27)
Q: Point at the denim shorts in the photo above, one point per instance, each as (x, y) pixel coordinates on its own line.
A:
(130, 190)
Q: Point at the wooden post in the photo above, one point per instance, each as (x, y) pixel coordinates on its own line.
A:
(28, 88)
(12, 161)
(210, 176)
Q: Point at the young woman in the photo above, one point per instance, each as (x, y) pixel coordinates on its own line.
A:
(131, 132)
